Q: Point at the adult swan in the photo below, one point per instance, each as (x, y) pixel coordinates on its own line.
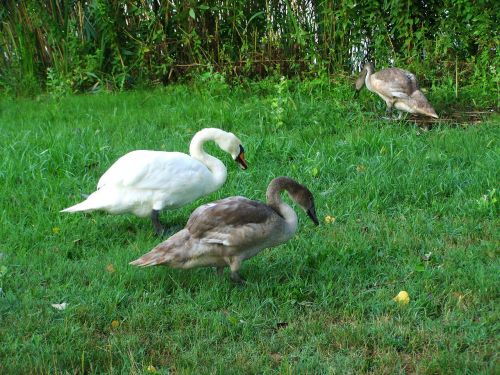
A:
(145, 182)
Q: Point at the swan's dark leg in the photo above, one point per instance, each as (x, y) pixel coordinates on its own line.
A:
(156, 223)
(388, 112)
(236, 278)
(235, 275)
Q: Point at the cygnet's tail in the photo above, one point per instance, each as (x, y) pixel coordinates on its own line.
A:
(92, 203)
(422, 105)
(153, 258)
(170, 251)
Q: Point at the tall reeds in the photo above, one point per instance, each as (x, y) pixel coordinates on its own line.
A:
(79, 45)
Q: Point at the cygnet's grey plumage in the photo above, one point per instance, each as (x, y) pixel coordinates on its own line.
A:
(398, 88)
(228, 231)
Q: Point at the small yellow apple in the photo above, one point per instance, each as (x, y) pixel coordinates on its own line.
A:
(403, 298)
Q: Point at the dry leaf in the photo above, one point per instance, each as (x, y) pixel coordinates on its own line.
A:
(276, 357)
(59, 306)
(110, 268)
(152, 369)
(115, 324)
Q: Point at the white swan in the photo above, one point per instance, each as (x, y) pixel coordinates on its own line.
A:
(145, 182)
(228, 231)
(397, 87)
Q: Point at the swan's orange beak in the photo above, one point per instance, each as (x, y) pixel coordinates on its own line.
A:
(240, 159)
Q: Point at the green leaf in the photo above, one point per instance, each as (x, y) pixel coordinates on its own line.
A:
(419, 267)
(192, 14)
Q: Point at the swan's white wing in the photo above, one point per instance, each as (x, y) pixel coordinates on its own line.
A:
(154, 170)
(234, 221)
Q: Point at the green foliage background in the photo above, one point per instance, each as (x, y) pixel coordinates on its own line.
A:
(71, 45)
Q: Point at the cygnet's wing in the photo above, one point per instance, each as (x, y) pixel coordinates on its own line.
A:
(234, 221)
(394, 83)
(236, 224)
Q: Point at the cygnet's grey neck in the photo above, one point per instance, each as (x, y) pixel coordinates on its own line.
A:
(276, 203)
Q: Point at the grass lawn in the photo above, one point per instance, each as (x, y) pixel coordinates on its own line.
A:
(410, 210)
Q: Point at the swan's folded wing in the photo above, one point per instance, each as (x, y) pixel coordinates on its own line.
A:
(234, 221)
(152, 170)
(393, 82)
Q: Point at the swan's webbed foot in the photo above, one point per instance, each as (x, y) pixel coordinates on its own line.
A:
(236, 278)
(155, 219)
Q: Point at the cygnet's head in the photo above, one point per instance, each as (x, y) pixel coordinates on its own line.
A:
(232, 145)
(305, 199)
(299, 194)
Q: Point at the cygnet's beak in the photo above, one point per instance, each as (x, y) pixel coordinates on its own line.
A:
(240, 159)
(312, 214)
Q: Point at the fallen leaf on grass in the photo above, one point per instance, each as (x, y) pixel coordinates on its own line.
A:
(460, 299)
(152, 369)
(427, 257)
(59, 306)
(419, 267)
(110, 268)
(402, 298)
(115, 324)
(276, 357)
(56, 230)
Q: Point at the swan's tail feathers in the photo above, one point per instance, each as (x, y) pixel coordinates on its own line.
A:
(87, 205)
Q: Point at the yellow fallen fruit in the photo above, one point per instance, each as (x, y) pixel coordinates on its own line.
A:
(329, 219)
(403, 298)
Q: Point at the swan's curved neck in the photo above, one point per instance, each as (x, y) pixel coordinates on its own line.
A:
(218, 169)
(368, 74)
(276, 203)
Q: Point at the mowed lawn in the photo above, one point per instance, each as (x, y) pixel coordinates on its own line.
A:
(400, 209)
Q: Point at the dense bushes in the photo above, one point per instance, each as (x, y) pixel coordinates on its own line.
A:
(81, 45)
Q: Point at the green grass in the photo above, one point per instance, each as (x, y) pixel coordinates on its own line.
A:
(322, 303)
